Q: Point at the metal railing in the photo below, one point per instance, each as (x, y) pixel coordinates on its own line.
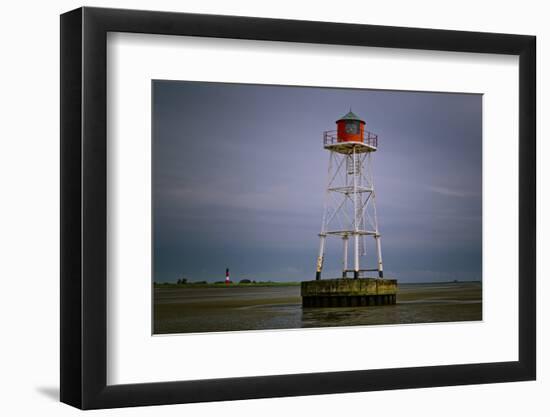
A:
(330, 137)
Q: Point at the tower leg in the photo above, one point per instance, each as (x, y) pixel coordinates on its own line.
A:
(379, 254)
(377, 235)
(356, 216)
(345, 239)
(356, 257)
(320, 257)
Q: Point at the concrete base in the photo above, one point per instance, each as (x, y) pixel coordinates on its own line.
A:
(344, 292)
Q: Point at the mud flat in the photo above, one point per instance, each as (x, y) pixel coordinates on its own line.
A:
(188, 309)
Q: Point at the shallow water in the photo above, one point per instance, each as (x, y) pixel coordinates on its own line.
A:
(213, 309)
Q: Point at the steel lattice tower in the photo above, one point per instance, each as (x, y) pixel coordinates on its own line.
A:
(350, 201)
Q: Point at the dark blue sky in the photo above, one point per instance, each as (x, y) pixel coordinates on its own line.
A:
(239, 174)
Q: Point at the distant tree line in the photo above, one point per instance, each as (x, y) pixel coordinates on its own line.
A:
(186, 281)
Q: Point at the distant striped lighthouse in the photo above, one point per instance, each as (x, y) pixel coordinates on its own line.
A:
(227, 276)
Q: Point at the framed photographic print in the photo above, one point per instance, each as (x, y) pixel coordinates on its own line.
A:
(258, 207)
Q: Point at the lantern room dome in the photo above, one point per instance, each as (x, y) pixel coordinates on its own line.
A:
(350, 116)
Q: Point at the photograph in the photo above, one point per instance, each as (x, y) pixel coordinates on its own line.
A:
(269, 209)
(290, 207)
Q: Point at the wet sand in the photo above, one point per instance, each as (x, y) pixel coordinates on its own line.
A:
(191, 309)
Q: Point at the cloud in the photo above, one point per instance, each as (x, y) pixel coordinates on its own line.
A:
(452, 192)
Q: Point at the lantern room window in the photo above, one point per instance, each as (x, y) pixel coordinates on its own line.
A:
(352, 127)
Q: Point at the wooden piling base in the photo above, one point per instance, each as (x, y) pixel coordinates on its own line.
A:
(343, 292)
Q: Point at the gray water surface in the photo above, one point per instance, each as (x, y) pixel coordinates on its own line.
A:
(230, 308)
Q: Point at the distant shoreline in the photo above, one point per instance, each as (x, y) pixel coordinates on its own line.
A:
(224, 285)
(277, 284)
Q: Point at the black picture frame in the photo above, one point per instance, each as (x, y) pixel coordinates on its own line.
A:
(84, 207)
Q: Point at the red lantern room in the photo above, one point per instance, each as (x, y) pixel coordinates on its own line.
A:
(350, 136)
(350, 128)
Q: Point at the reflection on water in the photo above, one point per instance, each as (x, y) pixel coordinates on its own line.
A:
(185, 310)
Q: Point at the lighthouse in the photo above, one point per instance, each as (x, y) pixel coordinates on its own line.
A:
(350, 200)
(350, 215)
